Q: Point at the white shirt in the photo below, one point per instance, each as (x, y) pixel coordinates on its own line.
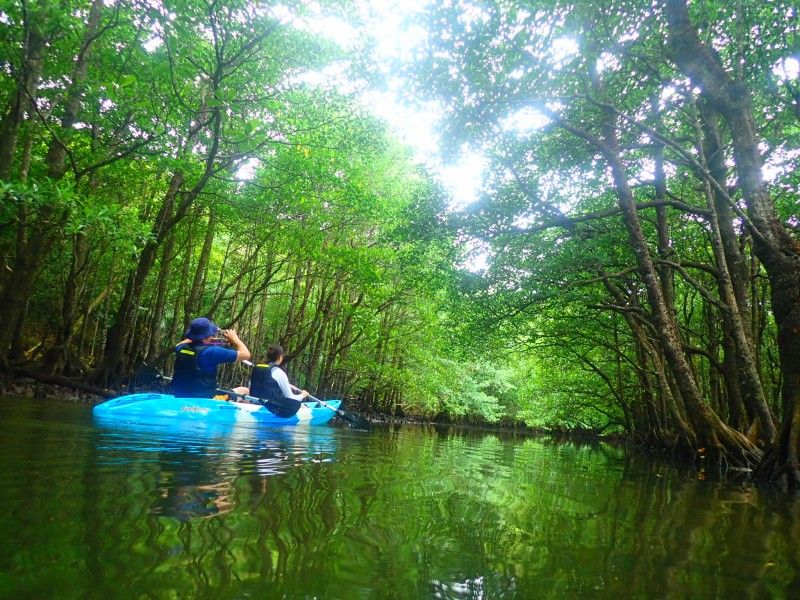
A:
(283, 381)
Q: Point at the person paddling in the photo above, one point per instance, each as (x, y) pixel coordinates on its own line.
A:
(196, 359)
(269, 383)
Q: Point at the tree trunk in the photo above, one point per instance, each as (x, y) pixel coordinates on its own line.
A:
(175, 328)
(288, 330)
(662, 225)
(649, 353)
(738, 417)
(26, 93)
(27, 150)
(17, 352)
(715, 159)
(713, 156)
(193, 301)
(753, 392)
(775, 247)
(156, 327)
(57, 149)
(719, 440)
(60, 359)
(20, 284)
(107, 370)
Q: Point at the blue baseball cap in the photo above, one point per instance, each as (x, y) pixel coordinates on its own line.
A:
(200, 329)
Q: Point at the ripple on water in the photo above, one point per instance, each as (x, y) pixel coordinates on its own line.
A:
(165, 510)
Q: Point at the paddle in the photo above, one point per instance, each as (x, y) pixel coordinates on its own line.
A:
(146, 376)
(353, 420)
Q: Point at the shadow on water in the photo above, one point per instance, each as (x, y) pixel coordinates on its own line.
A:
(92, 510)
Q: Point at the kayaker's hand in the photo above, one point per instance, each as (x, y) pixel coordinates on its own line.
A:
(304, 394)
(186, 341)
(242, 353)
(231, 335)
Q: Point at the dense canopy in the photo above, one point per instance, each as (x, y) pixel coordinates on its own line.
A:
(165, 159)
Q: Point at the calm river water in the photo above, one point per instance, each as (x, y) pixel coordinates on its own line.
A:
(95, 510)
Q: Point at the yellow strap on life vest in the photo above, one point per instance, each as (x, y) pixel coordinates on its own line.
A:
(262, 365)
(189, 352)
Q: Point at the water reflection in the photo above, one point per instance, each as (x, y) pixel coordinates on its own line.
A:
(197, 464)
(92, 510)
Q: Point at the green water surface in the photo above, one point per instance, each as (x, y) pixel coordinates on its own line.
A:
(157, 511)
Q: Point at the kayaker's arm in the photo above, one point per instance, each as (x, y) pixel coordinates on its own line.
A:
(286, 388)
(353, 420)
(297, 390)
(242, 353)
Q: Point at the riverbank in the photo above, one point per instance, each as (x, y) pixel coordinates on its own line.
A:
(28, 387)
(37, 386)
(505, 427)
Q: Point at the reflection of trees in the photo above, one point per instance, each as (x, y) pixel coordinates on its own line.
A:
(399, 513)
(582, 520)
(162, 502)
(675, 536)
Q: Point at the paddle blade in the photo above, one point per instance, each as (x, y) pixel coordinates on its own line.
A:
(355, 421)
(145, 377)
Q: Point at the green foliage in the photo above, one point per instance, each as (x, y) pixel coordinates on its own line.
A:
(530, 87)
(323, 233)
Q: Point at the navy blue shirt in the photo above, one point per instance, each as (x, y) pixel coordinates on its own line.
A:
(196, 377)
(212, 356)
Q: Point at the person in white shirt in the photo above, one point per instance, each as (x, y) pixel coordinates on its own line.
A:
(269, 383)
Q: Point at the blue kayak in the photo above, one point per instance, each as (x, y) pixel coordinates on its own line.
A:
(139, 407)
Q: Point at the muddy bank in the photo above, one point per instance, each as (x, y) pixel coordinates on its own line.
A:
(503, 427)
(28, 387)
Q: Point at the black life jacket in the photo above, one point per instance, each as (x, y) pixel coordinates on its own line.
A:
(264, 387)
(189, 381)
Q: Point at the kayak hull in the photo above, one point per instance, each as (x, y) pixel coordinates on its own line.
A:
(139, 407)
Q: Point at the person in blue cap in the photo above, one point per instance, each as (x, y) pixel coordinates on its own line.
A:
(196, 359)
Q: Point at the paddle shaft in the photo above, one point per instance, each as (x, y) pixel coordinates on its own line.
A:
(355, 420)
(245, 396)
(325, 404)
